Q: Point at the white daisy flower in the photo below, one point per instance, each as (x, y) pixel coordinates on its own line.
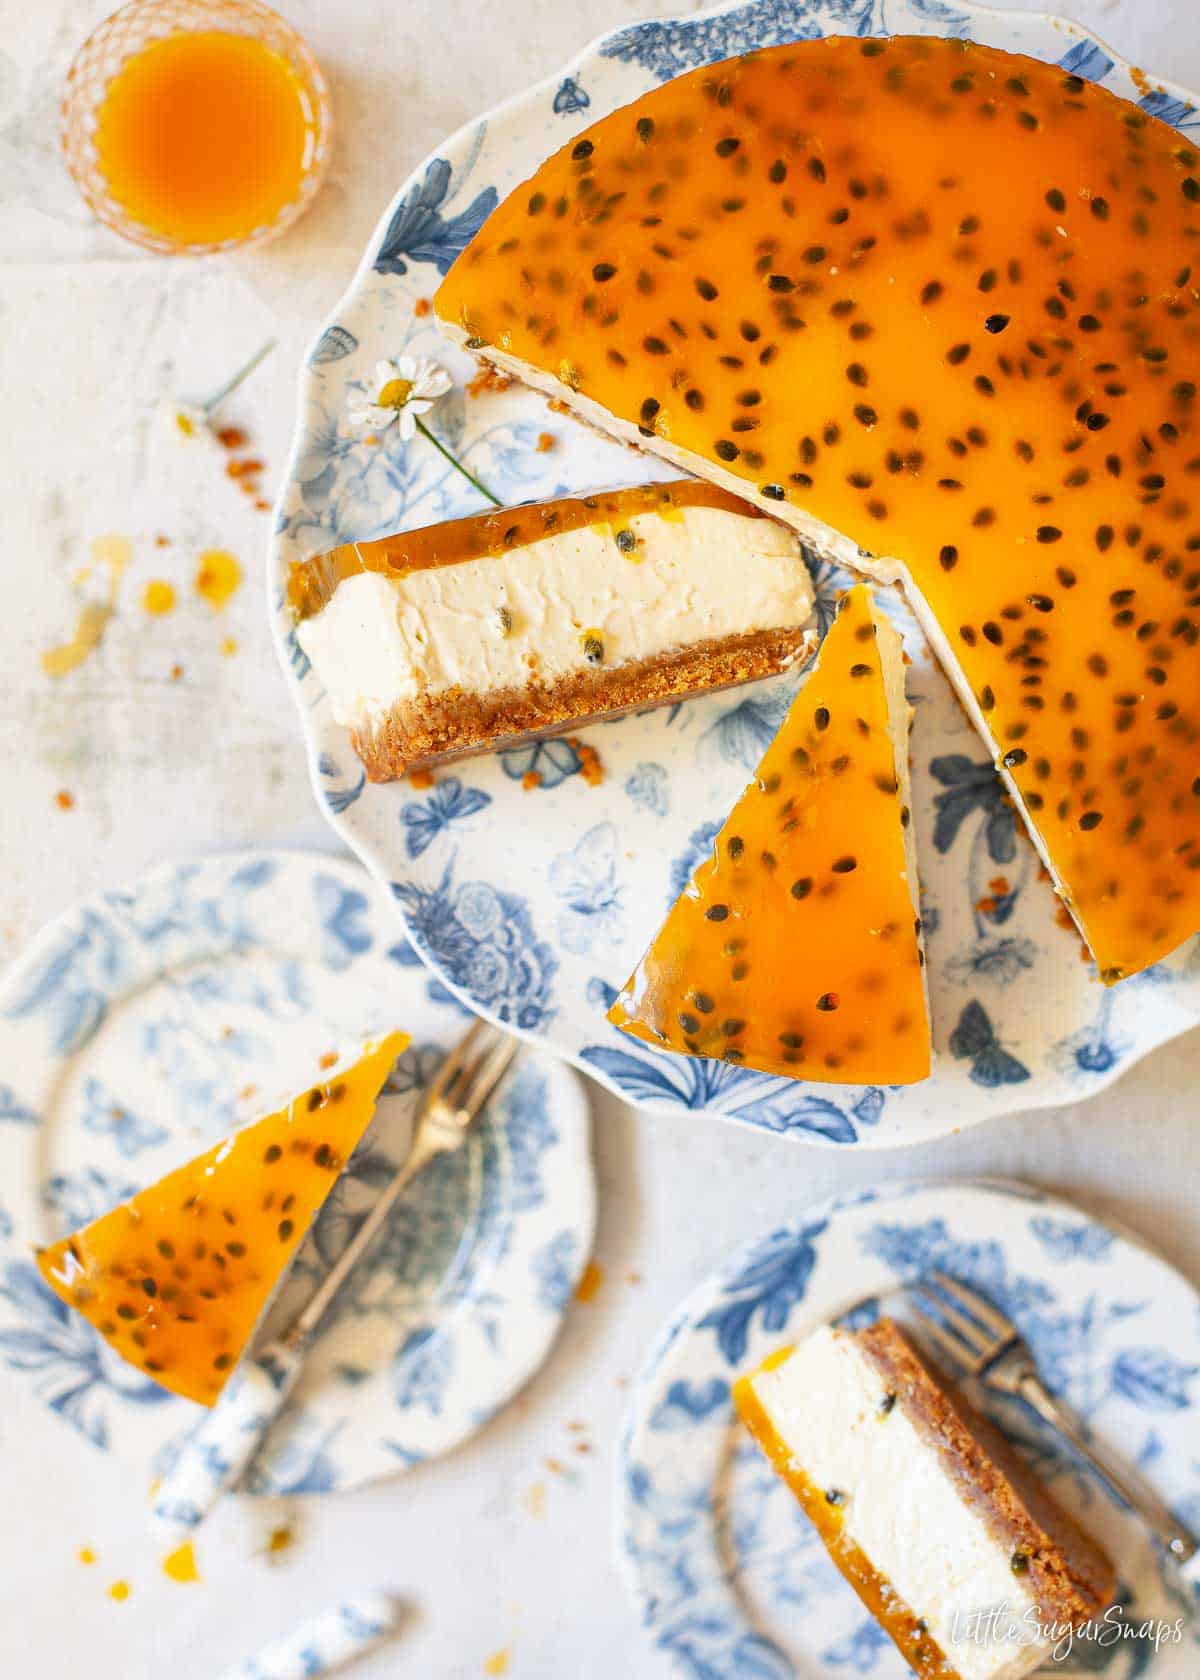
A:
(401, 390)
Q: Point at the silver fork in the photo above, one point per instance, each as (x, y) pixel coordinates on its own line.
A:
(977, 1336)
(459, 1092)
(218, 1452)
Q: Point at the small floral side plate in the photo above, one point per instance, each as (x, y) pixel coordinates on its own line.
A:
(730, 1579)
(143, 1025)
(529, 890)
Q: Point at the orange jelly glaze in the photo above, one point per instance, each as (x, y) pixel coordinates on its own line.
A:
(312, 582)
(777, 956)
(204, 136)
(176, 1278)
(945, 299)
(891, 1612)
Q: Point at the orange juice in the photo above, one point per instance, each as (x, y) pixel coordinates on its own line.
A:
(204, 136)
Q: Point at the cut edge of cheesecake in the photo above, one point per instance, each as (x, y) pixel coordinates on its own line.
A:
(458, 724)
(824, 539)
(1064, 1572)
(424, 718)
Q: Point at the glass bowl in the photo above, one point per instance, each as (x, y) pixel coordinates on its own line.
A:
(126, 33)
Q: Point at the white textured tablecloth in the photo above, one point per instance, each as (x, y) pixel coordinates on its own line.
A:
(494, 1551)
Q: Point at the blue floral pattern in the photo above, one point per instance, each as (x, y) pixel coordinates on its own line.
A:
(212, 980)
(484, 942)
(419, 232)
(731, 1581)
(569, 929)
(450, 802)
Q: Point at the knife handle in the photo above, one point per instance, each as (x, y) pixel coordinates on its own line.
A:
(215, 1455)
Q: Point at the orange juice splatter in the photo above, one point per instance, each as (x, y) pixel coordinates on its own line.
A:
(89, 629)
(545, 442)
(158, 597)
(498, 1662)
(85, 1554)
(119, 1590)
(204, 136)
(64, 800)
(218, 577)
(589, 1284)
(280, 1540)
(176, 672)
(535, 1500)
(115, 553)
(420, 778)
(229, 646)
(180, 1565)
(531, 779)
(422, 307)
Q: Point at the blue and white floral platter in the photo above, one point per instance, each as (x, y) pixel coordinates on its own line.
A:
(731, 1580)
(535, 903)
(143, 1025)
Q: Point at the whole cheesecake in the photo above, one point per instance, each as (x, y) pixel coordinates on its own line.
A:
(937, 307)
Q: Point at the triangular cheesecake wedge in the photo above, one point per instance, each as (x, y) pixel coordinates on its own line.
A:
(938, 307)
(796, 947)
(175, 1279)
(952, 1544)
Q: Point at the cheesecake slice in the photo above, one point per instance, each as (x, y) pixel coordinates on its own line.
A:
(952, 1545)
(176, 1278)
(935, 305)
(796, 946)
(483, 632)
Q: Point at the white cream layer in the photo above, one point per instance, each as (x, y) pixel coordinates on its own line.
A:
(902, 1508)
(697, 574)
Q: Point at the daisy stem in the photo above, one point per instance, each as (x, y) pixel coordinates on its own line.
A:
(242, 373)
(456, 464)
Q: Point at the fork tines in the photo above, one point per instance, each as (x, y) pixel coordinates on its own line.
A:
(473, 1069)
(965, 1326)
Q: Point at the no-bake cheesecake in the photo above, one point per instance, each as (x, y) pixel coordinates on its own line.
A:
(951, 1543)
(938, 307)
(796, 946)
(484, 631)
(176, 1278)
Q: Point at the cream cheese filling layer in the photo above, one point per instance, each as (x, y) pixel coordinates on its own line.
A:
(901, 1507)
(696, 574)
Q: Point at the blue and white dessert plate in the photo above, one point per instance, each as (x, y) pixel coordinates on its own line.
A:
(730, 1579)
(534, 902)
(144, 1024)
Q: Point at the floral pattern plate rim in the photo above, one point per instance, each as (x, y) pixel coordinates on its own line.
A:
(730, 1579)
(540, 930)
(143, 1024)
